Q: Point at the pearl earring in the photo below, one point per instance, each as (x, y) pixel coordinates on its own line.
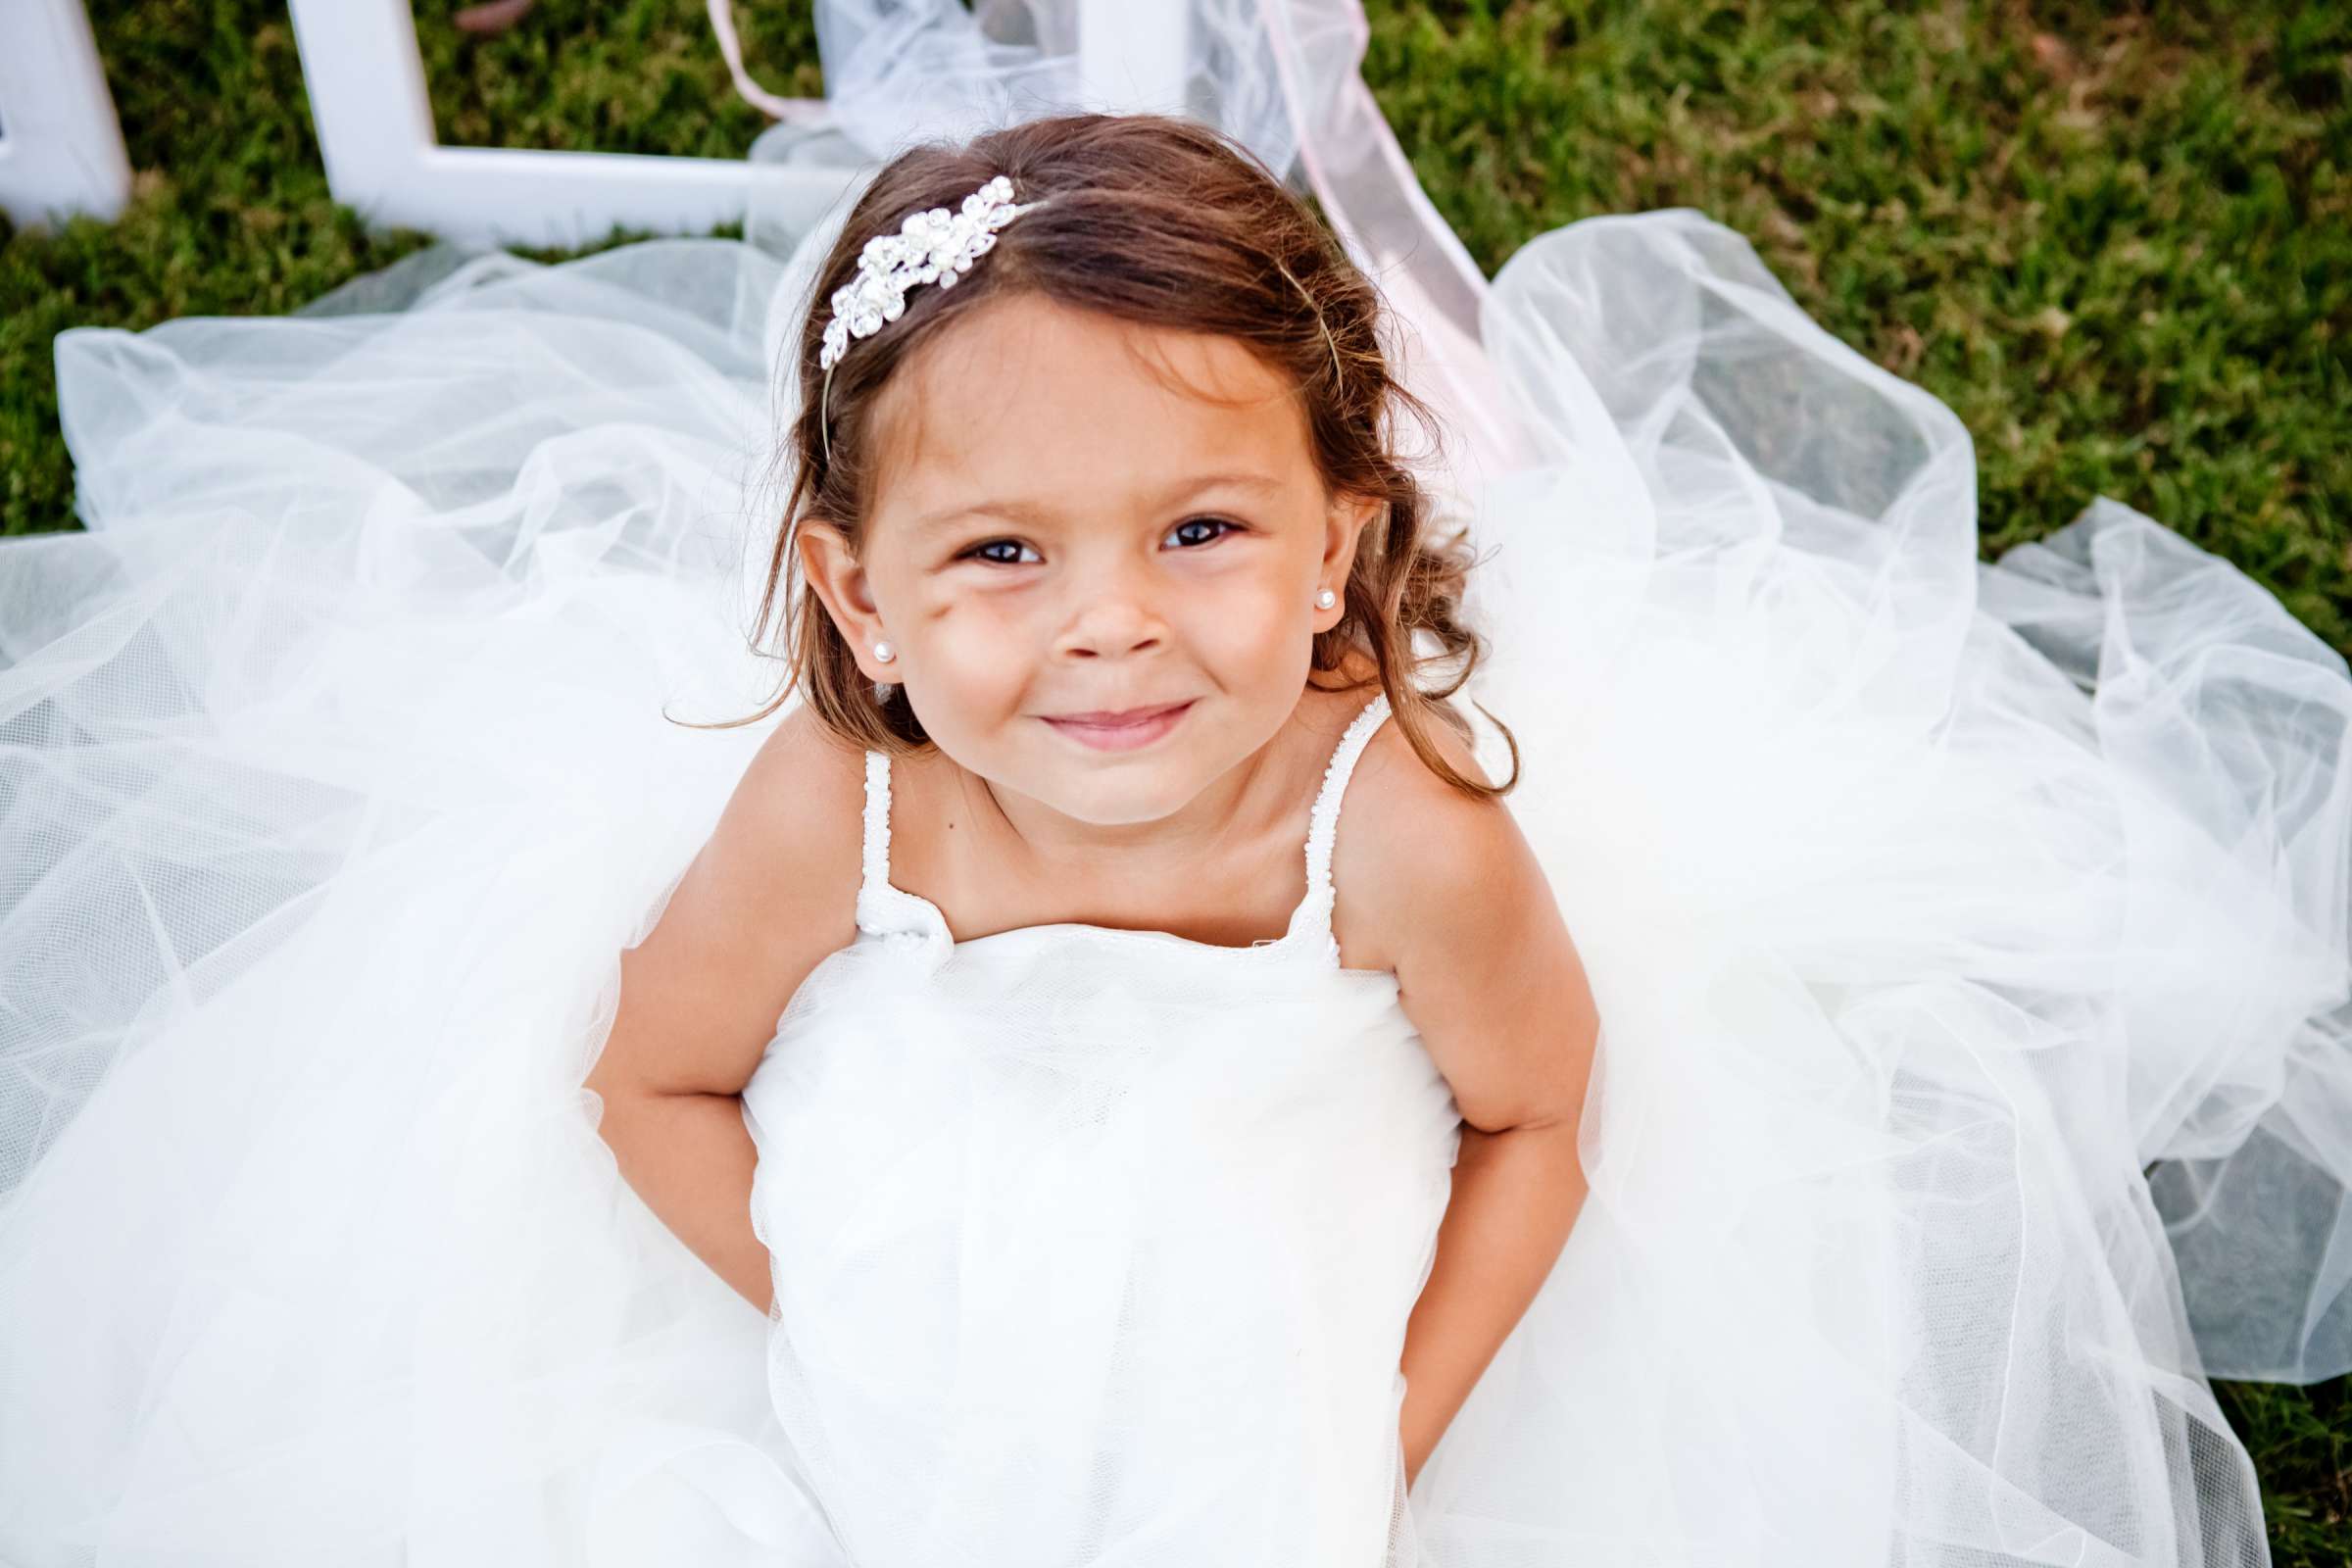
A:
(1326, 599)
(884, 653)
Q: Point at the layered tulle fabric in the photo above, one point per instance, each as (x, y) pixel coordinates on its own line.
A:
(336, 774)
(1910, 950)
(1928, 903)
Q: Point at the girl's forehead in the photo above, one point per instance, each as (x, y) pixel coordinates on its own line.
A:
(1026, 393)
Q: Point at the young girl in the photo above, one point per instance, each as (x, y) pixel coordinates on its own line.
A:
(1151, 1135)
(1105, 1139)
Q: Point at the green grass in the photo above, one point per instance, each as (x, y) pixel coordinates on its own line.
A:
(2117, 241)
(232, 214)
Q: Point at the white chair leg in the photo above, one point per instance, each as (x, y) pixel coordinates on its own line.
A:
(61, 148)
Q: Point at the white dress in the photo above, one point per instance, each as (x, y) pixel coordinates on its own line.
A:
(1096, 1244)
(1928, 903)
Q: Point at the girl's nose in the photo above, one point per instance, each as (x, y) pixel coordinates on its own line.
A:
(1114, 614)
(1110, 631)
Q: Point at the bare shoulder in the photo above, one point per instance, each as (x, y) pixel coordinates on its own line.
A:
(799, 808)
(770, 893)
(1418, 857)
(1414, 851)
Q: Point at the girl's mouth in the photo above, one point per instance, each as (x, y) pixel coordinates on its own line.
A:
(1124, 730)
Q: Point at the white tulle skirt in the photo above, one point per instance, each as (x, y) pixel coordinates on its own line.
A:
(1927, 904)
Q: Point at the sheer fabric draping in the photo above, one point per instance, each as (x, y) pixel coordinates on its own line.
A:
(1927, 902)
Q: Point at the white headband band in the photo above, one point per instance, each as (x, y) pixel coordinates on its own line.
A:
(935, 246)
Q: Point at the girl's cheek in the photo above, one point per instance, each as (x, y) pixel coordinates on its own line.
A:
(977, 622)
(986, 652)
(1259, 608)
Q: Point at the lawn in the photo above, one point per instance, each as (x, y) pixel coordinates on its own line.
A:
(2116, 240)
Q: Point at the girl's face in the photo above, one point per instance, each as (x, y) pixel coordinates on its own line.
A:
(1095, 548)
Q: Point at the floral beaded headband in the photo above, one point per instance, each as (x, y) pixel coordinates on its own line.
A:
(934, 246)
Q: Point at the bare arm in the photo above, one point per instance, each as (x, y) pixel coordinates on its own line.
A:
(690, 1158)
(1491, 980)
(768, 896)
(1517, 1194)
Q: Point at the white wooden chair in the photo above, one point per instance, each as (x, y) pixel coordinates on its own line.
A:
(61, 148)
(365, 78)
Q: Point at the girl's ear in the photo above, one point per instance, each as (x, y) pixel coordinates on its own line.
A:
(840, 581)
(1344, 525)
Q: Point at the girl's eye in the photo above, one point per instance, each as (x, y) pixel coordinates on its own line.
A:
(979, 552)
(1195, 539)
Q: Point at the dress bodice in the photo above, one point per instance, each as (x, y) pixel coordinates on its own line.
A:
(1097, 1244)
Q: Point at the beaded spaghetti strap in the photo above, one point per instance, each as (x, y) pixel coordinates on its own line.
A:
(876, 867)
(881, 907)
(1312, 921)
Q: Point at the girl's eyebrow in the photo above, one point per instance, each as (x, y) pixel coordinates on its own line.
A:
(1031, 513)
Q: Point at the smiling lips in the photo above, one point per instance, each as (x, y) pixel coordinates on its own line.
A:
(1123, 730)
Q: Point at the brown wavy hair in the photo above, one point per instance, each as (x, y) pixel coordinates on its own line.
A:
(1164, 222)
